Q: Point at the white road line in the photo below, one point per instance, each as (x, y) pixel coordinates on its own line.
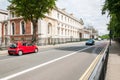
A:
(41, 65)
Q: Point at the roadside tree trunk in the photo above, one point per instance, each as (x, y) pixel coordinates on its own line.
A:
(34, 36)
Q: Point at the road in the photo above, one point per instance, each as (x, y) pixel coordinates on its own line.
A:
(66, 62)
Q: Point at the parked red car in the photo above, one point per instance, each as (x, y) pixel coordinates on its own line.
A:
(20, 48)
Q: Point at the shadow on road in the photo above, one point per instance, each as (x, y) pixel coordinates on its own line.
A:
(95, 49)
(71, 48)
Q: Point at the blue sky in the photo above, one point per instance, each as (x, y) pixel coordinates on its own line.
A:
(88, 10)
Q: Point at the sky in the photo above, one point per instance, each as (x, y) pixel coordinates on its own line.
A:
(4, 4)
(88, 10)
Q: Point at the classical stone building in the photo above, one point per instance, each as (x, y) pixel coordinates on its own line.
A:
(3, 24)
(57, 27)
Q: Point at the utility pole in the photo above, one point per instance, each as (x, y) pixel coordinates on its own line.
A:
(110, 35)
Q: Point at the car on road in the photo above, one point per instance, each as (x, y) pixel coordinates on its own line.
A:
(90, 42)
(21, 48)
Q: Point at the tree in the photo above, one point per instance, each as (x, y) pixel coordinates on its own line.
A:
(112, 7)
(32, 10)
(106, 36)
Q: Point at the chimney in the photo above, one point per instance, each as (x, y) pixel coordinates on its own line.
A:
(63, 9)
(71, 14)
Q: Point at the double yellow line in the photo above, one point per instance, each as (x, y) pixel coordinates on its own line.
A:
(91, 68)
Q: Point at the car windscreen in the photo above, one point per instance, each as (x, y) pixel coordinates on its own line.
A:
(13, 46)
(90, 40)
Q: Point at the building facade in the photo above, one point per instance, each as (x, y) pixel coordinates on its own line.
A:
(60, 26)
(3, 24)
(57, 27)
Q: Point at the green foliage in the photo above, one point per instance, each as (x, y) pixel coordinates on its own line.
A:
(106, 36)
(113, 7)
(32, 10)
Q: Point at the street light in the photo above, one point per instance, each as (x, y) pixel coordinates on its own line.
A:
(110, 35)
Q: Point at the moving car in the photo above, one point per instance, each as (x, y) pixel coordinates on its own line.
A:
(20, 48)
(90, 42)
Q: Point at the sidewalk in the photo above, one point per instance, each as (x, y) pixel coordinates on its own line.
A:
(113, 67)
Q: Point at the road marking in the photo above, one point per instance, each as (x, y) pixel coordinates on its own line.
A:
(90, 69)
(86, 75)
(41, 65)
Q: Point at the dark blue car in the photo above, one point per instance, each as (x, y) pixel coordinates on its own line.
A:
(90, 42)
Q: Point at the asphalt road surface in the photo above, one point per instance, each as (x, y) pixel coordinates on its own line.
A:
(66, 62)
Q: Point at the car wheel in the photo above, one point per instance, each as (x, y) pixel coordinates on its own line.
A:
(20, 53)
(10, 54)
(36, 50)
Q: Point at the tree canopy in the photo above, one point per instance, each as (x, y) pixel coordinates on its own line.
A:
(106, 36)
(32, 10)
(113, 8)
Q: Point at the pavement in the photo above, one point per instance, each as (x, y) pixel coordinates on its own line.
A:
(113, 66)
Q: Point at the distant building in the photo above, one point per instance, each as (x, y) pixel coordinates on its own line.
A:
(91, 32)
(85, 33)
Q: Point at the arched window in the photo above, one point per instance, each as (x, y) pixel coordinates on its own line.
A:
(49, 28)
(58, 31)
(23, 27)
(5, 29)
(13, 28)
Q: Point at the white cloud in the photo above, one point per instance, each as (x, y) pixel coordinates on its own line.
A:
(89, 10)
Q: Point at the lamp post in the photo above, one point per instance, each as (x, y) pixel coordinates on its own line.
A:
(110, 35)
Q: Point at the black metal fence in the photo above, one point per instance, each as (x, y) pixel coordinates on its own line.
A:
(104, 67)
(117, 39)
(41, 41)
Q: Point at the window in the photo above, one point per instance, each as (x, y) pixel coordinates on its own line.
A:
(24, 44)
(58, 24)
(13, 15)
(31, 28)
(13, 45)
(62, 31)
(68, 32)
(65, 18)
(13, 28)
(49, 28)
(5, 29)
(23, 27)
(62, 25)
(65, 31)
(58, 30)
(61, 17)
(58, 15)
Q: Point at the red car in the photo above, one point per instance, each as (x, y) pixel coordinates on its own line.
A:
(20, 48)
